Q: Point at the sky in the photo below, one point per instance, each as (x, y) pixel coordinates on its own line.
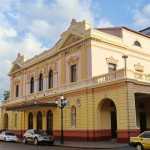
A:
(29, 27)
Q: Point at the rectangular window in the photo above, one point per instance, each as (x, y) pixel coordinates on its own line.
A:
(73, 73)
(17, 90)
(15, 120)
(111, 67)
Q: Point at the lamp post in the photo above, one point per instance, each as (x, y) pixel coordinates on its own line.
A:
(62, 105)
(124, 56)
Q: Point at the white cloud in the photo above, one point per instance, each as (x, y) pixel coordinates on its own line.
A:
(142, 17)
(30, 26)
(104, 23)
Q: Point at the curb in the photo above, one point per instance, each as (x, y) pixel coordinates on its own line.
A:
(87, 147)
(90, 147)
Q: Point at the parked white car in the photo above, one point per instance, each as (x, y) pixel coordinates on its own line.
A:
(37, 137)
(8, 136)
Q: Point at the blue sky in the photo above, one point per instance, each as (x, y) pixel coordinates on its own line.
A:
(30, 26)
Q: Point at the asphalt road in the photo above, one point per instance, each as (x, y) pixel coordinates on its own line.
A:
(21, 146)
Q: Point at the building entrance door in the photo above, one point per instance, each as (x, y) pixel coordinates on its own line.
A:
(113, 124)
(143, 126)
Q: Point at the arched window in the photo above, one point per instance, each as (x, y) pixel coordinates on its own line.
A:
(17, 90)
(39, 121)
(32, 85)
(73, 73)
(50, 84)
(30, 121)
(137, 43)
(5, 121)
(41, 82)
(49, 122)
(73, 116)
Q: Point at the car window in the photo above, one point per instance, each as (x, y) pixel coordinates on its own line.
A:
(8, 133)
(145, 135)
(40, 132)
(36, 132)
(31, 131)
(43, 133)
(3, 133)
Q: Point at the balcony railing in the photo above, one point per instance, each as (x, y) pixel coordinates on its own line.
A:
(97, 80)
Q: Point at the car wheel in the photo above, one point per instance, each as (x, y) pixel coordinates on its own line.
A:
(35, 141)
(25, 141)
(139, 146)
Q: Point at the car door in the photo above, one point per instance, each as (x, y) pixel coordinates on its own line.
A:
(2, 136)
(32, 135)
(145, 139)
(29, 135)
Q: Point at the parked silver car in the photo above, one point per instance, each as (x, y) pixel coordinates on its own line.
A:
(37, 137)
(8, 136)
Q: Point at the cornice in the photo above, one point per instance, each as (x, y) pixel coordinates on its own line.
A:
(51, 56)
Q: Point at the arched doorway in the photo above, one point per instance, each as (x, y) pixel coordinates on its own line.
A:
(30, 121)
(39, 121)
(5, 125)
(108, 117)
(49, 122)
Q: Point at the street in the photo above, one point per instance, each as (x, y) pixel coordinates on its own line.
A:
(21, 146)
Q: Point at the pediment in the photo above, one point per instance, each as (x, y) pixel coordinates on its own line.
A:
(70, 40)
(72, 60)
(111, 60)
(14, 68)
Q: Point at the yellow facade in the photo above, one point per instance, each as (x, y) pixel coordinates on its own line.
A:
(102, 104)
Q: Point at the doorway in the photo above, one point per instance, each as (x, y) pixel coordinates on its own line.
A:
(108, 117)
(143, 126)
(113, 124)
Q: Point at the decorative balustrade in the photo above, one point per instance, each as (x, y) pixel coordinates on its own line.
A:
(105, 78)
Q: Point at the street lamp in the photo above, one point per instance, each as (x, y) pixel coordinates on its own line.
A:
(62, 105)
(125, 56)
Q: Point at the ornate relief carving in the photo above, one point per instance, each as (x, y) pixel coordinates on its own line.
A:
(73, 23)
(111, 60)
(17, 81)
(70, 40)
(32, 75)
(78, 102)
(53, 66)
(45, 70)
(40, 71)
(138, 67)
(36, 73)
(16, 67)
(72, 60)
(28, 76)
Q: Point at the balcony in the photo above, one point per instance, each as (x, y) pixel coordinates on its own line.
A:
(97, 80)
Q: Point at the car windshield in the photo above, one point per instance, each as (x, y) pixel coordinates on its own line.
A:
(39, 132)
(8, 133)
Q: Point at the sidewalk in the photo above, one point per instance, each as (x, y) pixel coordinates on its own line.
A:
(92, 145)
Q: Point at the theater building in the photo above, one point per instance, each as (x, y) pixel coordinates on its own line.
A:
(104, 73)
